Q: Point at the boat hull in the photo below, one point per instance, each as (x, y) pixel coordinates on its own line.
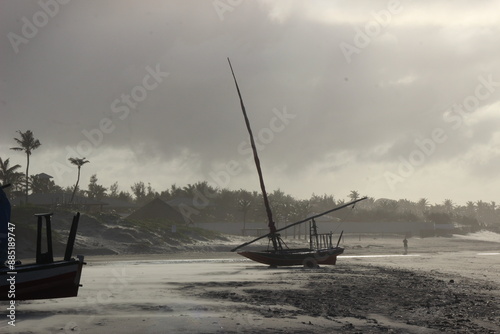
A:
(58, 279)
(295, 257)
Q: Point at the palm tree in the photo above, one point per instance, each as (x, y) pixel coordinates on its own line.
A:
(423, 204)
(42, 185)
(79, 163)
(8, 174)
(470, 209)
(96, 191)
(354, 195)
(28, 144)
(448, 205)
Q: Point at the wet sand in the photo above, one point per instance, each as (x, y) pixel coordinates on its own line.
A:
(449, 285)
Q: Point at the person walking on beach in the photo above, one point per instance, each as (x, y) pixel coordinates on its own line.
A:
(405, 244)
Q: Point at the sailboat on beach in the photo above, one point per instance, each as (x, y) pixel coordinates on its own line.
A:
(321, 249)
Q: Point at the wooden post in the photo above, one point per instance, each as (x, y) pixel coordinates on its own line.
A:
(48, 227)
(47, 257)
(71, 237)
(39, 240)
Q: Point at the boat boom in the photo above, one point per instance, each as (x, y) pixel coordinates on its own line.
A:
(301, 221)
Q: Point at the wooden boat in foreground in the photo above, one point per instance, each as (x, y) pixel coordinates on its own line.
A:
(58, 279)
(46, 278)
(321, 249)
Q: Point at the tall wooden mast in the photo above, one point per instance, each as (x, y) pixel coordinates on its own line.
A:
(271, 225)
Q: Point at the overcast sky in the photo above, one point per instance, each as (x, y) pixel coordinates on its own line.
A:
(393, 99)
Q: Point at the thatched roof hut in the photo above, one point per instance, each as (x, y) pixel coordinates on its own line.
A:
(157, 209)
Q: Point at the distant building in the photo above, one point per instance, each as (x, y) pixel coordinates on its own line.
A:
(44, 176)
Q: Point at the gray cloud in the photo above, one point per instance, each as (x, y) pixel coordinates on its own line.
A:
(396, 90)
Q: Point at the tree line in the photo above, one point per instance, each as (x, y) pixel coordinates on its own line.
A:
(204, 202)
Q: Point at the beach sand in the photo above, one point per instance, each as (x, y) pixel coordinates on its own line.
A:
(443, 285)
